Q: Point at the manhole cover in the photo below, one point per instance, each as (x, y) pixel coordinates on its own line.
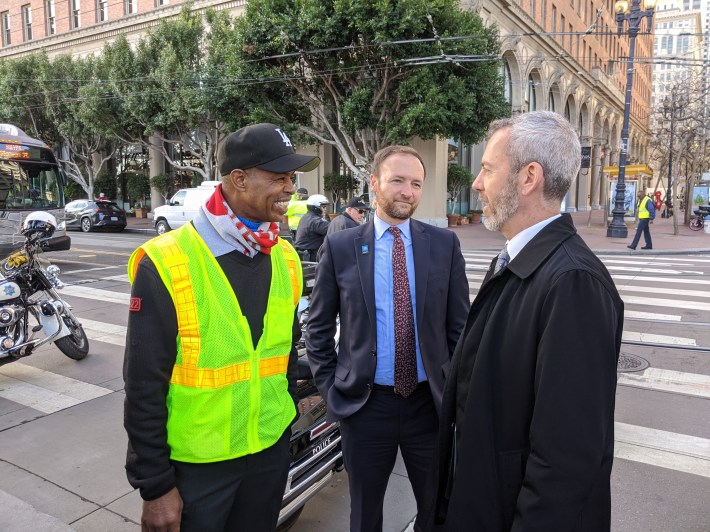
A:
(631, 363)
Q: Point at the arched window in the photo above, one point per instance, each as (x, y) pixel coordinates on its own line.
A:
(508, 87)
(551, 101)
(531, 94)
(568, 112)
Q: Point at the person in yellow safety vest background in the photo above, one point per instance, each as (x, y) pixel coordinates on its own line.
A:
(644, 205)
(297, 207)
(210, 364)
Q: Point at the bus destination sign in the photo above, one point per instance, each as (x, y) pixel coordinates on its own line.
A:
(17, 151)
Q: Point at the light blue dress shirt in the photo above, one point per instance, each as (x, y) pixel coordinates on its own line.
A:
(384, 300)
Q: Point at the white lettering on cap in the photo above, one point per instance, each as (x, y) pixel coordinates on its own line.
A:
(285, 139)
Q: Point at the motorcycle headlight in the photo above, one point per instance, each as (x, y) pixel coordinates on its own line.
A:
(53, 271)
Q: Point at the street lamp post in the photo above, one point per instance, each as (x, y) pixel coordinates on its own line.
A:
(670, 152)
(633, 16)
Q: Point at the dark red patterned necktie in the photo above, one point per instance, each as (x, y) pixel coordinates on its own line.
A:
(405, 353)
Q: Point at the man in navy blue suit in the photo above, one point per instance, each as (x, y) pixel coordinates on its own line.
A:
(401, 291)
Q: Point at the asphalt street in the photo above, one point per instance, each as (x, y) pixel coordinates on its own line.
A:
(62, 443)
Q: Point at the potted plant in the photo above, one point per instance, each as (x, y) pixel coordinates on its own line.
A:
(476, 216)
(457, 177)
(138, 187)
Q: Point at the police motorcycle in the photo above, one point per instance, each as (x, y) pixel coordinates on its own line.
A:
(315, 443)
(31, 312)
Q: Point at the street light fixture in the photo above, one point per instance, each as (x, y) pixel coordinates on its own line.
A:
(633, 15)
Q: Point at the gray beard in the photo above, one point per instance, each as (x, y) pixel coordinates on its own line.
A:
(504, 207)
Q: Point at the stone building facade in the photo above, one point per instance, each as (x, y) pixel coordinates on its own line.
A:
(561, 55)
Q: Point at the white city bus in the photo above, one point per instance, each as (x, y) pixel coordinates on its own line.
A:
(30, 180)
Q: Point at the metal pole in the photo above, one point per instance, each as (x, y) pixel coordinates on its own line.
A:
(617, 228)
(670, 157)
(633, 17)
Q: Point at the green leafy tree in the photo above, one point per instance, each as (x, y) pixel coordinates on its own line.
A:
(169, 89)
(106, 182)
(73, 191)
(162, 183)
(85, 148)
(22, 97)
(340, 186)
(138, 187)
(362, 75)
(457, 178)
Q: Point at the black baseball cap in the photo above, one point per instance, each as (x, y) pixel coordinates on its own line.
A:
(357, 203)
(264, 146)
(302, 191)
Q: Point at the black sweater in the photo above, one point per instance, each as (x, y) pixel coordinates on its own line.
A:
(150, 357)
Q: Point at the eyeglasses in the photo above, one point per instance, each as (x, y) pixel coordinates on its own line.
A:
(361, 211)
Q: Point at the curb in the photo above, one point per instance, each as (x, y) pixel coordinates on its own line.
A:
(139, 230)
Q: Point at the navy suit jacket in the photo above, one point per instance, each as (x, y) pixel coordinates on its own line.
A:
(344, 286)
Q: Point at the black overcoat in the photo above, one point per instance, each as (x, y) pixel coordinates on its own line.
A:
(531, 393)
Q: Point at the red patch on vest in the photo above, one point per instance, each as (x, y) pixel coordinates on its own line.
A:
(135, 304)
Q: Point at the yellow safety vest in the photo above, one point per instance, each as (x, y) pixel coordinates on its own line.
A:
(296, 210)
(226, 398)
(643, 209)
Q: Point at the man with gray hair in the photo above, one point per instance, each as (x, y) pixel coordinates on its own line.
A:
(527, 425)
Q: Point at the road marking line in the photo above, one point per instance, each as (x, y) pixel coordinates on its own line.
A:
(657, 338)
(667, 303)
(653, 270)
(104, 332)
(680, 452)
(108, 296)
(651, 315)
(670, 291)
(101, 252)
(661, 279)
(666, 380)
(122, 277)
(74, 272)
(45, 391)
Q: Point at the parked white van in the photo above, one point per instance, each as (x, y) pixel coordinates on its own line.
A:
(182, 207)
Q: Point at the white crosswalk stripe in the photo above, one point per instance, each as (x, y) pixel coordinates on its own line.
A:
(43, 390)
(667, 380)
(99, 294)
(660, 448)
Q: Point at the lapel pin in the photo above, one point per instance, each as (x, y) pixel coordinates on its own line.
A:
(365, 249)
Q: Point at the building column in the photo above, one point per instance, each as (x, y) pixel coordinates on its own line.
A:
(583, 181)
(157, 167)
(595, 191)
(432, 207)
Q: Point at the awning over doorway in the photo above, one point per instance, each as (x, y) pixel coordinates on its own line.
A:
(631, 170)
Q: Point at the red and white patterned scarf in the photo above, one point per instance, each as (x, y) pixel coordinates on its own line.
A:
(234, 232)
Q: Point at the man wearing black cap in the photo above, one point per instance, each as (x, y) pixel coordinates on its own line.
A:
(210, 363)
(352, 216)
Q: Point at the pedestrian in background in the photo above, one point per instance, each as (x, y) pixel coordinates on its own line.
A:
(399, 287)
(526, 436)
(296, 210)
(313, 227)
(644, 206)
(352, 216)
(210, 366)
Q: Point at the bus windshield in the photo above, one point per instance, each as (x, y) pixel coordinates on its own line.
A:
(30, 180)
(30, 185)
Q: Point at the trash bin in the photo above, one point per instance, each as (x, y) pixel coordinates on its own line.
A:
(706, 228)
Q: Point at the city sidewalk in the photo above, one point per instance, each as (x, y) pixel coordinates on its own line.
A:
(593, 231)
